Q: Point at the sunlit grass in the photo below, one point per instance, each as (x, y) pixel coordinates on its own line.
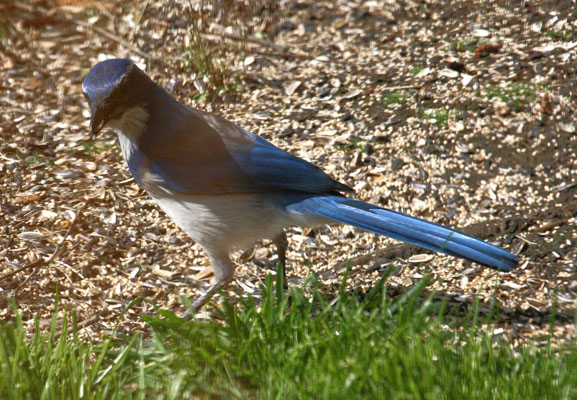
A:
(302, 344)
(518, 95)
(396, 97)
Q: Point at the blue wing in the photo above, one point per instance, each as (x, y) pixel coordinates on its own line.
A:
(205, 154)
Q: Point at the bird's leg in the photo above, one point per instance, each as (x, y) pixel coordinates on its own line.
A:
(202, 300)
(281, 243)
(223, 271)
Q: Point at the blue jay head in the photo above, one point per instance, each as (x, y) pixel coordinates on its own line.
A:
(113, 87)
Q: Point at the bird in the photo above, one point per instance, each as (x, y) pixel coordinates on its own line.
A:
(228, 188)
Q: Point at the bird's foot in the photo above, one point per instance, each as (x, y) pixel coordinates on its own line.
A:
(202, 300)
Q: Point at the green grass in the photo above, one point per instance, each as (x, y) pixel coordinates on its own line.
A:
(559, 34)
(57, 365)
(95, 147)
(353, 144)
(396, 97)
(206, 59)
(416, 69)
(439, 117)
(518, 95)
(33, 160)
(299, 345)
(459, 45)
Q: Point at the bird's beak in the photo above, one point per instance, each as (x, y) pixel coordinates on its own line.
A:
(96, 123)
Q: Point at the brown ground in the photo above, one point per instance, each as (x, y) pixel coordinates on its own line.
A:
(458, 112)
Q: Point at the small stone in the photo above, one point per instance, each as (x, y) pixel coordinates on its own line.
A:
(481, 33)
(396, 163)
(285, 26)
(352, 94)
(456, 66)
(292, 87)
(368, 149)
(335, 82)
(200, 85)
(449, 73)
(466, 79)
(420, 258)
(357, 159)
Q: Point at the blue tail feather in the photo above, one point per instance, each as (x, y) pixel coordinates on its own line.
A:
(408, 229)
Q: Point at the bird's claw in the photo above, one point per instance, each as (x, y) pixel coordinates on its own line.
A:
(202, 300)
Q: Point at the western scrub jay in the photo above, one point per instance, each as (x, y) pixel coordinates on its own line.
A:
(227, 188)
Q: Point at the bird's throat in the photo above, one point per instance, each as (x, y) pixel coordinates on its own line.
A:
(132, 123)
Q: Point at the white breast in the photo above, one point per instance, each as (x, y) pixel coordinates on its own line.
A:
(226, 222)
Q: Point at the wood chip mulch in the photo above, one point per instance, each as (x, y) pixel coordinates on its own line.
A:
(457, 112)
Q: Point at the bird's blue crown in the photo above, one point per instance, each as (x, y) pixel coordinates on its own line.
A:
(106, 76)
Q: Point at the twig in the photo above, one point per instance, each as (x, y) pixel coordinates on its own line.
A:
(250, 39)
(389, 88)
(272, 54)
(88, 321)
(66, 20)
(110, 36)
(548, 226)
(40, 262)
(80, 325)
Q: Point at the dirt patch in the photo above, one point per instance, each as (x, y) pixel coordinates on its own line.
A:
(461, 114)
